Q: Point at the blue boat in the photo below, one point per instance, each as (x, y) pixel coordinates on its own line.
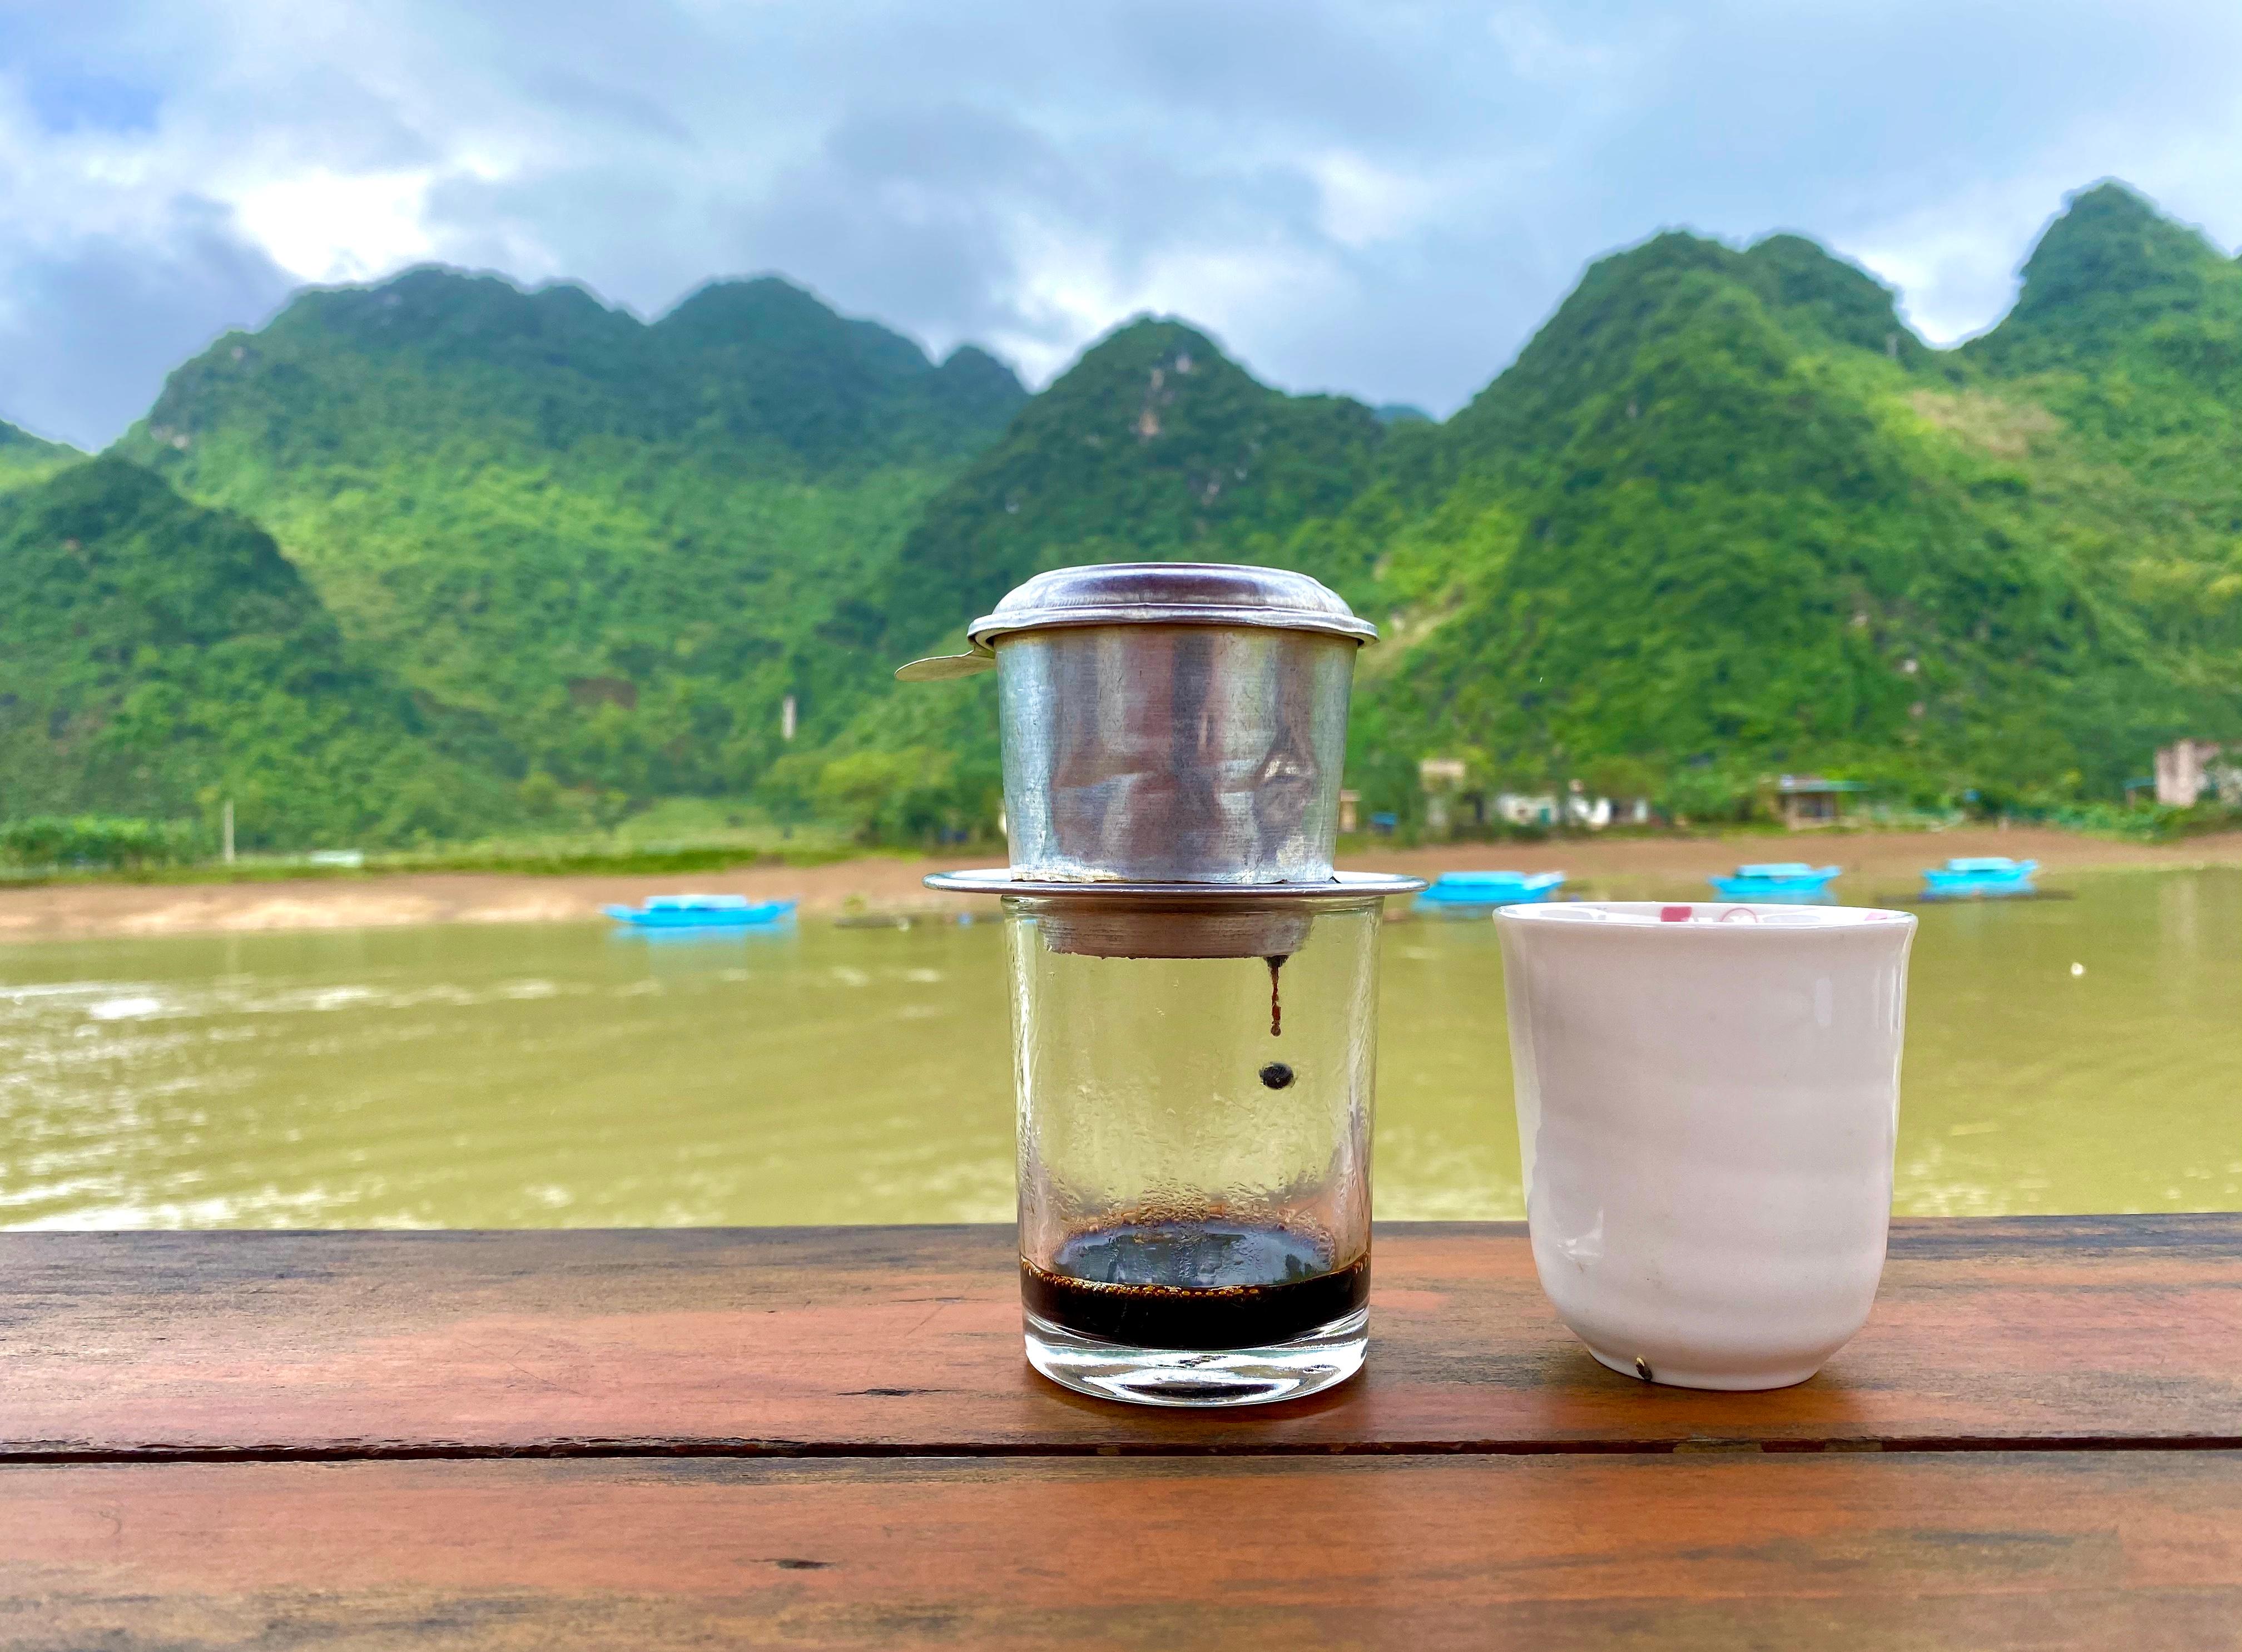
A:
(701, 912)
(1778, 881)
(1969, 875)
(1491, 889)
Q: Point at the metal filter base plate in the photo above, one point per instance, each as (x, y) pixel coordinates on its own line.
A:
(1341, 886)
(1176, 920)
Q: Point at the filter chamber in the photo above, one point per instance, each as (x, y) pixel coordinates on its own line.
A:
(1192, 753)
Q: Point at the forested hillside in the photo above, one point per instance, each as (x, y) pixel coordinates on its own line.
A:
(26, 459)
(620, 544)
(157, 658)
(1729, 514)
(1725, 515)
(1152, 445)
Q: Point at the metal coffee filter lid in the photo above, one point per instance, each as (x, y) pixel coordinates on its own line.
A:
(1151, 594)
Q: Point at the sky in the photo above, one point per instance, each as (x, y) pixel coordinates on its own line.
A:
(1374, 197)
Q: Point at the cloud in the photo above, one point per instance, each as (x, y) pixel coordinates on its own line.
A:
(1382, 196)
(88, 326)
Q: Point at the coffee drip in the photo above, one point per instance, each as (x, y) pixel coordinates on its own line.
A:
(1194, 986)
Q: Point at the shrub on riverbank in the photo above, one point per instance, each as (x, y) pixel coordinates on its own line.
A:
(2148, 822)
(101, 842)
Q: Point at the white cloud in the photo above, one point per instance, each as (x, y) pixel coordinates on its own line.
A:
(1379, 195)
(323, 227)
(1364, 202)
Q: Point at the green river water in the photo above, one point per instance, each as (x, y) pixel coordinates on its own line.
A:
(2079, 1055)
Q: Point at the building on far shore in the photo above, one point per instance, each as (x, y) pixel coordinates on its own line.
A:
(1442, 780)
(1526, 809)
(2188, 770)
(1806, 801)
(1451, 802)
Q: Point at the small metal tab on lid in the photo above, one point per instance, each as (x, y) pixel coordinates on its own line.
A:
(941, 668)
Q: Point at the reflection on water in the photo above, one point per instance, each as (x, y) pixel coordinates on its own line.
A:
(2061, 1056)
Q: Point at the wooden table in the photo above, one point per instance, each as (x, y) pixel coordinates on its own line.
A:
(827, 1437)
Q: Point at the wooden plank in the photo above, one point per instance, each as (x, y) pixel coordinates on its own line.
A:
(2035, 1550)
(2067, 1330)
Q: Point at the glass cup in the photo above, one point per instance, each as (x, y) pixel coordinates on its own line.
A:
(1707, 1099)
(1194, 1142)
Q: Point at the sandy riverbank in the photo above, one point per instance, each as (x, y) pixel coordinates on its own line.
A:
(1877, 863)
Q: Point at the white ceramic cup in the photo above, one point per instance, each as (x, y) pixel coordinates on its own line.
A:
(1707, 1095)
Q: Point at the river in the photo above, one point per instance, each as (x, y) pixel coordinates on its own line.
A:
(2063, 1055)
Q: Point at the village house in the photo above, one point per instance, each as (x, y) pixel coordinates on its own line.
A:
(2190, 770)
(1522, 809)
(1806, 801)
(1448, 805)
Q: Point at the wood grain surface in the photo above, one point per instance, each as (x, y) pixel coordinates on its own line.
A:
(1986, 1551)
(2053, 1331)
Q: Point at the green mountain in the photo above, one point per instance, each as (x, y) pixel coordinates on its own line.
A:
(2127, 334)
(2115, 284)
(157, 657)
(1153, 445)
(1736, 516)
(26, 459)
(620, 546)
(1725, 515)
